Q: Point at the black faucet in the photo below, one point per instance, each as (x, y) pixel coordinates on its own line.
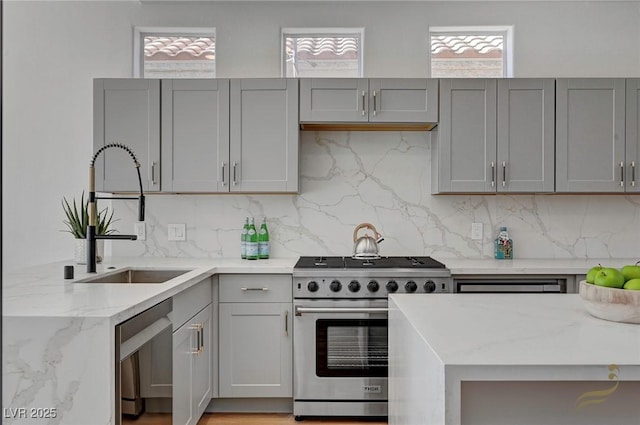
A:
(91, 228)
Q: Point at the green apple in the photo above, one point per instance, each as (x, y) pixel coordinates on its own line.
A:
(609, 277)
(633, 284)
(591, 274)
(631, 271)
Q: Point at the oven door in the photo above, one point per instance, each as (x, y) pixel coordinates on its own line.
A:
(340, 350)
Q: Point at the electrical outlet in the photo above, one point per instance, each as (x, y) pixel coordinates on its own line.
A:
(476, 231)
(177, 232)
(139, 229)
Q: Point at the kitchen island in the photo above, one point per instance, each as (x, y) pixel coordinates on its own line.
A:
(509, 359)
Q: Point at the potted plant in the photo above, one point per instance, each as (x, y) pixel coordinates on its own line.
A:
(77, 222)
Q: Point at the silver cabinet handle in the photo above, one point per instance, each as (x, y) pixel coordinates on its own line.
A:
(286, 322)
(633, 173)
(223, 165)
(235, 165)
(621, 173)
(364, 112)
(202, 337)
(153, 173)
(196, 327)
(332, 310)
(375, 112)
(254, 289)
(504, 173)
(493, 174)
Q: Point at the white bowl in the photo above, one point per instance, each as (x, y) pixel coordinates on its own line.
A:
(617, 305)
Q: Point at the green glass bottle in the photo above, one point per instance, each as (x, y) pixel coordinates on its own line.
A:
(243, 238)
(252, 241)
(263, 240)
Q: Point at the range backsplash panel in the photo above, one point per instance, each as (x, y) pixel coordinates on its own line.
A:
(384, 178)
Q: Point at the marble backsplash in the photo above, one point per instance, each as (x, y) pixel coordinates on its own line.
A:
(384, 178)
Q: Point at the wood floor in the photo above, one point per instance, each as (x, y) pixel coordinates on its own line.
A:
(248, 419)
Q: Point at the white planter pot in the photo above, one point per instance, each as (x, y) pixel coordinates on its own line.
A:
(80, 251)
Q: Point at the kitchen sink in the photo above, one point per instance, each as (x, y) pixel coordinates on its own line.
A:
(135, 276)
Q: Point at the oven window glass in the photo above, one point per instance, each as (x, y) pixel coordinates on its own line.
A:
(351, 347)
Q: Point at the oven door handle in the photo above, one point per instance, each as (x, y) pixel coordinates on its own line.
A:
(332, 310)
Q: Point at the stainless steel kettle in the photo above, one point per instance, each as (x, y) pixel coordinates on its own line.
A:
(366, 246)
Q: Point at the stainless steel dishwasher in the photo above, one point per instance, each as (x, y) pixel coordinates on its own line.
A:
(129, 337)
(515, 284)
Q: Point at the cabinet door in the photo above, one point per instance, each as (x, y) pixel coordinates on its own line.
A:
(466, 151)
(403, 100)
(156, 374)
(264, 135)
(127, 111)
(633, 135)
(590, 132)
(334, 100)
(195, 135)
(203, 363)
(526, 135)
(255, 350)
(184, 348)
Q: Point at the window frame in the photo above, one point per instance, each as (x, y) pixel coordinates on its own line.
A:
(320, 32)
(507, 31)
(140, 32)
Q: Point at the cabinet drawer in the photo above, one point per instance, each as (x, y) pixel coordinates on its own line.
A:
(189, 302)
(255, 288)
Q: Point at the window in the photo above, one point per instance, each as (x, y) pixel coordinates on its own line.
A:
(471, 52)
(174, 52)
(322, 52)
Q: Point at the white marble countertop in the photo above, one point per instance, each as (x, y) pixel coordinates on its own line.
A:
(41, 291)
(517, 329)
(560, 266)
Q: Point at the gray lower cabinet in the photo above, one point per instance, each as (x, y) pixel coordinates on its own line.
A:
(590, 135)
(255, 336)
(382, 100)
(180, 368)
(192, 368)
(127, 111)
(494, 136)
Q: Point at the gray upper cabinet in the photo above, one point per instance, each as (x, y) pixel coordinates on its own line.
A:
(495, 136)
(464, 156)
(633, 135)
(526, 135)
(382, 100)
(195, 135)
(334, 100)
(590, 135)
(264, 135)
(127, 111)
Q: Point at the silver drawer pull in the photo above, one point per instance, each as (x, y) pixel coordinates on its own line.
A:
(332, 310)
(633, 173)
(363, 104)
(493, 174)
(223, 165)
(254, 289)
(621, 173)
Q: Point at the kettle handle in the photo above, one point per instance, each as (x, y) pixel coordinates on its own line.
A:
(367, 225)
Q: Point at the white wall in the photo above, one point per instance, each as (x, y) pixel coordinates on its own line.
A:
(53, 50)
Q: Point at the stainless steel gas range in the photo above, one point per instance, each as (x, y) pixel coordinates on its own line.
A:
(340, 329)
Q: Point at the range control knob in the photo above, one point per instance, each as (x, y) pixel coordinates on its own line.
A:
(312, 286)
(373, 286)
(410, 286)
(429, 286)
(354, 286)
(335, 286)
(392, 286)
